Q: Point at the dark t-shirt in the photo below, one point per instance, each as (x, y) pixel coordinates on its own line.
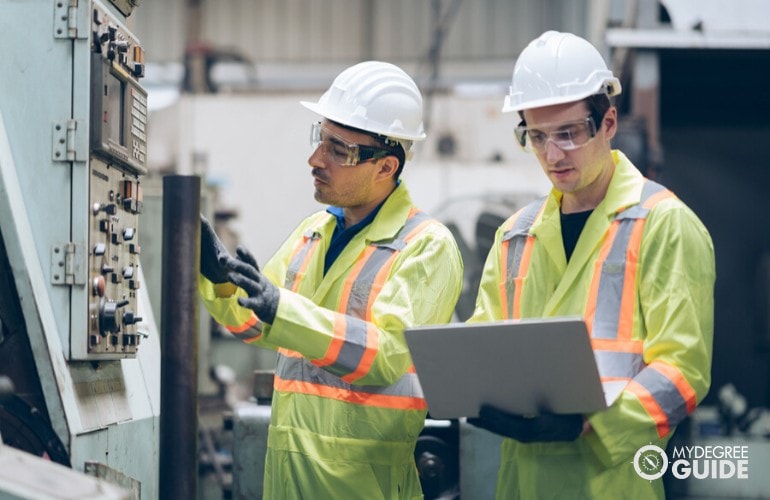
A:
(571, 227)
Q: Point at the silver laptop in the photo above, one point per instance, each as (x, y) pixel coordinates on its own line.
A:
(525, 367)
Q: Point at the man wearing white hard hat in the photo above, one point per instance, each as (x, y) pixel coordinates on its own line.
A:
(617, 249)
(335, 299)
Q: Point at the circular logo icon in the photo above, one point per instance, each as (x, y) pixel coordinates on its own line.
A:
(650, 462)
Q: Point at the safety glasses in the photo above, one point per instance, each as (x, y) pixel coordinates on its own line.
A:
(567, 136)
(341, 152)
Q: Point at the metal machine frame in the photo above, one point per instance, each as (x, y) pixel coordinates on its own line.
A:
(72, 152)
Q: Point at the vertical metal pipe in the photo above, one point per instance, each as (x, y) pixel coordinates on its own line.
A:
(179, 337)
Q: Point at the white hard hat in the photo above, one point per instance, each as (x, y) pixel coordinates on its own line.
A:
(556, 68)
(374, 96)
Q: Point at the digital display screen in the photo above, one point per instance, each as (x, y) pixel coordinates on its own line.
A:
(118, 115)
(115, 95)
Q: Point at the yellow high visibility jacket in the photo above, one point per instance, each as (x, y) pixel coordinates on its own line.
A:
(642, 275)
(347, 406)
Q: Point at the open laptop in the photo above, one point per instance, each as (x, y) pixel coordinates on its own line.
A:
(525, 367)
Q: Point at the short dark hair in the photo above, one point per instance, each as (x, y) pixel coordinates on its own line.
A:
(597, 104)
(396, 150)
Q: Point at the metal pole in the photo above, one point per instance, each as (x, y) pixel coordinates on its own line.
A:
(179, 337)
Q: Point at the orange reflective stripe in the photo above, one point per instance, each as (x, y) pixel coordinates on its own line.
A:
(289, 353)
(633, 346)
(655, 198)
(651, 406)
(360, 263)
(368, 357)
(379, 281)
(372, 335)
(355, 397)
(301, 254)
(236, 329)
(682, 385)
(418, 229)
(628, 298)
(305, 263)
(504, 260)
(515, 257)
(502, 286)
(352, 349)
(521, 272)
(593, 291)
(382, 275)
(297, 248)
(526, 255)
(335, 345)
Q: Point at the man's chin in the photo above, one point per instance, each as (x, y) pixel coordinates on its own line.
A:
(320, 197)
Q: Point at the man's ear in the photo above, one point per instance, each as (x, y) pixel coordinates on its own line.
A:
(388, 167)
(611, 122)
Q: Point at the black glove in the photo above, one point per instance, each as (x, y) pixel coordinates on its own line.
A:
(213, 254)
(542, 428)
(263, 295)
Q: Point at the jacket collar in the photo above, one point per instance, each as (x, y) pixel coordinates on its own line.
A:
(625, 189)
(385, 226)
(392, 216)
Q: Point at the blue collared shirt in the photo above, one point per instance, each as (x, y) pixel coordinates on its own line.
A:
(342, 235)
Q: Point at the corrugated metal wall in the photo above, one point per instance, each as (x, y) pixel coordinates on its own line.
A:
(322, 31)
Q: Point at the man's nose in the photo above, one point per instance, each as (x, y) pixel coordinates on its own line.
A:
(552, 152)
(316, 158)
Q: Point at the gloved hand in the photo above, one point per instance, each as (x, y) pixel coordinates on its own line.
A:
(213, 254)
(547, 427)
(263, 295)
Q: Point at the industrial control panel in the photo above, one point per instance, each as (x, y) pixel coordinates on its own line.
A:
(77, 335)
(117, 160)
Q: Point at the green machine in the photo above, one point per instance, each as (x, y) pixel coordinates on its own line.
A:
(77, 335)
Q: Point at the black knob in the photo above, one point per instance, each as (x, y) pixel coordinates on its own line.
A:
(108, 316)
(129, 318)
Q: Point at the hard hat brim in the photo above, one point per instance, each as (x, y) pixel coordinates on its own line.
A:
(320, 109)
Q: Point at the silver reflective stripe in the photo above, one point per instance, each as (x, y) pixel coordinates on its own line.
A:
(355, 334)
(518, 234)
(354, 346)
(517, 238)
(290, 368)
(251, 332)
(352, 349)
(611, 282)
(358, 301)
(296, 263)
(612, 279)
(665, 393)
(616, 364)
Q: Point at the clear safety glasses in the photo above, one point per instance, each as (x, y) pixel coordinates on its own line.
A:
(567, 136)
(339, 151)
